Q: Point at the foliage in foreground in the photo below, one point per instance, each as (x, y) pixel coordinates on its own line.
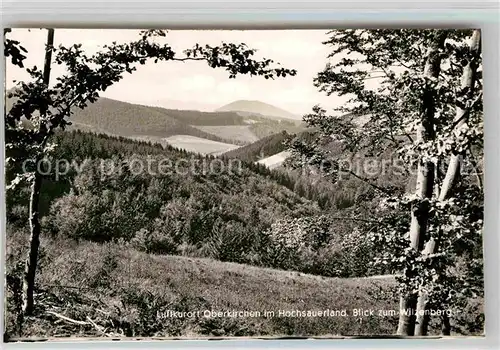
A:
(427, 107)
(124, 292)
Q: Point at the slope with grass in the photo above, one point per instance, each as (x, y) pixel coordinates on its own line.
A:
(260, 149)
(199, 145)
(275, 161)
(128, 293)
(266, 127)
(237, 133)
(268, 146)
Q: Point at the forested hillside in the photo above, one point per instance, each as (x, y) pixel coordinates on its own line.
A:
(231, 213)
(157, 123)
(203, 118)
(127, 119)
(250, 215)
(120, 118)
(262, 148)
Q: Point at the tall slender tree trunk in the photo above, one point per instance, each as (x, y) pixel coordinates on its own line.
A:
(34, 214)
(425, 180)
(445, 325)
(31, 261)
(453, 172)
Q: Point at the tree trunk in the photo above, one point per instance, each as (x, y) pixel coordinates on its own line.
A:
(445, 325)
(466, 93)
(425, 179)
(407, 306)
(34, 215)
(31, 261)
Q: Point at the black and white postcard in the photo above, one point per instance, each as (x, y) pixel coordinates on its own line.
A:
(195, 184)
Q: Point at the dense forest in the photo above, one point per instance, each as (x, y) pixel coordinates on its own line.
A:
(247, 214)
(234, 214)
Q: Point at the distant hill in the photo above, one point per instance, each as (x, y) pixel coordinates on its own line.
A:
(257, 107)
(155, 124)
(131, 120)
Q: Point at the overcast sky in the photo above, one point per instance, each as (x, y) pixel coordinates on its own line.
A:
(194, 85)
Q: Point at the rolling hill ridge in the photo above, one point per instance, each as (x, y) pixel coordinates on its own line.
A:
(195, 131)
(248, 107)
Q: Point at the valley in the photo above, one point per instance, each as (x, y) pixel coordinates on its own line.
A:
(206, 133)
(241, 124)
(199, 145)
(242, 133)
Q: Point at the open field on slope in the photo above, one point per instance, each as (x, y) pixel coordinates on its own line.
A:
(199, 145)
(241, 133)
(130, 292)
(275, 160)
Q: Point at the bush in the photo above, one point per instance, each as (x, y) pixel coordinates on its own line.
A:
(18, 215)
(102, 207)
(312, 245)
(286, 240)
(154, 242)
(229, 241)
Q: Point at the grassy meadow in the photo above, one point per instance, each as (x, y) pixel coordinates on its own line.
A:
(122, 292)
